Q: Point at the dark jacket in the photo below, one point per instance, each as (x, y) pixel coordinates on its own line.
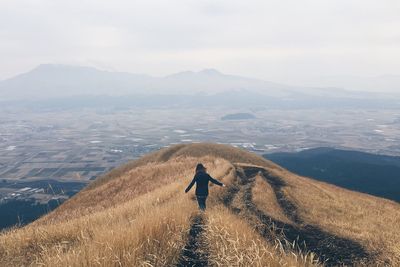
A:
(201, 179)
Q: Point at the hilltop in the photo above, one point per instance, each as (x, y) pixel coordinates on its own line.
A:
(138, 215)
(238, 116)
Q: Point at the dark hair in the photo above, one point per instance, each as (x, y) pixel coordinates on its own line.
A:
(200, 167)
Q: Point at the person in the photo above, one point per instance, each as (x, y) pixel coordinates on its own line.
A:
(202, 178)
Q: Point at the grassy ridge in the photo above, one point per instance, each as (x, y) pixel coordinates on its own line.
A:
(138, 215)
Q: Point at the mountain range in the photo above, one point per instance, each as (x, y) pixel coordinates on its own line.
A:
(55, 81)
(60, 87)
(52, 81)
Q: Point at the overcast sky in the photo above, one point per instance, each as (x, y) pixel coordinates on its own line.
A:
(272, 40)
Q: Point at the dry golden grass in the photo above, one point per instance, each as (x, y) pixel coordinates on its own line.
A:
(138, 215)
(373, 221)
(265, 199)
(138, 232)
(232, 242)
(143, 229)
(228, 153)
(127, 186)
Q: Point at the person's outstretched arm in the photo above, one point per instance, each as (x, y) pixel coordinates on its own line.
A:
(214, 181)
(191, 184)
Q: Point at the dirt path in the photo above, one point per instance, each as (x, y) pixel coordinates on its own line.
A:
(331, 249)
(194, 254)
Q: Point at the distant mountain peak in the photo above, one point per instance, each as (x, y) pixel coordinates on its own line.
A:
(204, 72)
(210, 72)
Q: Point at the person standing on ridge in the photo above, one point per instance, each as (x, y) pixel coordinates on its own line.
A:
(201, 178)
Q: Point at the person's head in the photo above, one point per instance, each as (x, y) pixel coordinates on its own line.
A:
(200, 167)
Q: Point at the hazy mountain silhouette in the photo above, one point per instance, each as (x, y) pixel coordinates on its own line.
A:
(64, 87)
(213, 81)
(49, 80)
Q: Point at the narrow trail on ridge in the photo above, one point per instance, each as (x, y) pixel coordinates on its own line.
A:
(330, 248)
(194, 253)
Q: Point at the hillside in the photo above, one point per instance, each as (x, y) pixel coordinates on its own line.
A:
(138, 215)
(364, 172)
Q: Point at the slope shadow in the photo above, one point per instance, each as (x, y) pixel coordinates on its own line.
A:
(331, 249)
(192, 255)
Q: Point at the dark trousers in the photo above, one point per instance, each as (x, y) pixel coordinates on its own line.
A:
(202, 202)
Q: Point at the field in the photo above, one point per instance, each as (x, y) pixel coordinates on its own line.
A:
(139, 215)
